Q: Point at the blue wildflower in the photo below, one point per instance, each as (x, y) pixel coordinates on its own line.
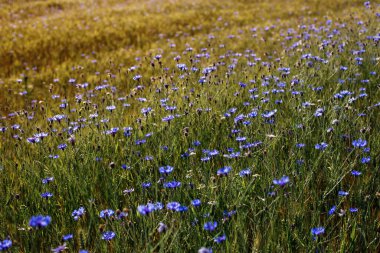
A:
(343, 193)
(332, 210)
(245, 172)
(356, 173)
(220, 239)
(224, 171)
(46, 195)
(78, 213)
(282, 181)
(365, 160)
(67, 237)
(354, 210)
(166, 169)
(173, 206)
(60, 248)
(62, 146)
(106, 213)
(196, 202)
(108, 235)
(5, 244)
(47, 180)
(39, 221)
(210, 226)
(359, 143)
(321, 146)
(317, 231)
(172, 184)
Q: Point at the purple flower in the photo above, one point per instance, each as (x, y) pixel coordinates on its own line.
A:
(343, 193)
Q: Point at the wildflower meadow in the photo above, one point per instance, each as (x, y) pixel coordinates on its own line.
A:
(190, 126)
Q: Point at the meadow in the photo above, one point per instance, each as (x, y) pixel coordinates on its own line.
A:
(190, 126)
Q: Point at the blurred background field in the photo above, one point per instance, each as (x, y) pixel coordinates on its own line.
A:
(178, 126)
(41, 40)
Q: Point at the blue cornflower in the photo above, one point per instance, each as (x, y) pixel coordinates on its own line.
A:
(83, 251)
(173, 206)
(343, 193)
(220, 239)
(5, 245)
(210, 226)
(300, 145)
(106, 213)
(62, 146)
(46, 195)
(321, 146)
(245, 172)
(196, 202)
(282, 181)
(224, 171)
(146, 209)
(196, 143)
(354, 209)
(47, 180)
(172, 184)
(269, 114)
(332, 210)
(110, 108)
(317, 231)
(359, 143)
(182, 209)
(161, 228)
(319, 112)
(39, 221)
(166, 169)
(146, 185)
(205, 250)
(168, 118)
(60, 248)
(67, 237)
(356, 173)
(365, 160)
(108, 235)
(78, 213)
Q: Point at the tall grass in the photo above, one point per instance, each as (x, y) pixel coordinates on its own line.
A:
(285, 94)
